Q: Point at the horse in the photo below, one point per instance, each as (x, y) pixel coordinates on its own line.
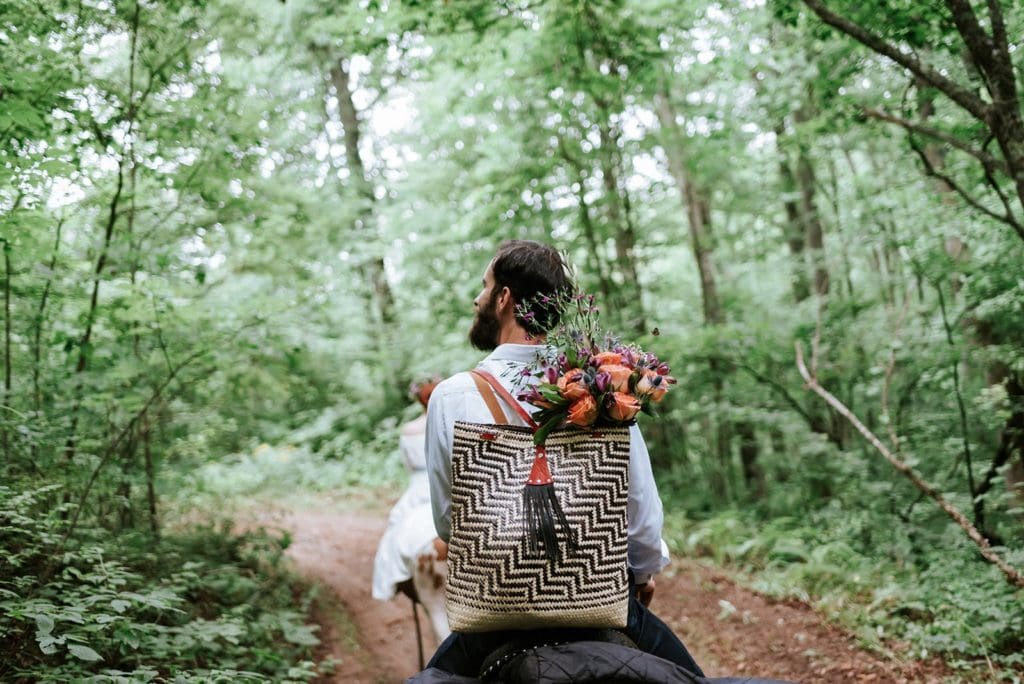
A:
(426, 588)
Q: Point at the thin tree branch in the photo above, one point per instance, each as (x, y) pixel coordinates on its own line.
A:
(112, 447)
(979, 511)
(890, 369)
(1010, 438)
(108, 452)
(160, 336)
(1014, 576)
(990, 178)
(984, 157)
(962, 96)
(40, 315)
(935, 173)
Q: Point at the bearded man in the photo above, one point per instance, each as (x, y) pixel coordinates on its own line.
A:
(506, 325)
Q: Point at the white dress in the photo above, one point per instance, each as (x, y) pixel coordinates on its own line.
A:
(410, 532)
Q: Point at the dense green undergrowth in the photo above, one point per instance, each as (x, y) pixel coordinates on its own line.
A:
(304, 463)
(944, 600)
(203, 604)
(312, 464)
(204, 601)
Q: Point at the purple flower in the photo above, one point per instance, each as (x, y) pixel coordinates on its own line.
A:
(531, 396)
(602, 380)
(551, 375)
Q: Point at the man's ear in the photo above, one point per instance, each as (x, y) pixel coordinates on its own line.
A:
(504, 298)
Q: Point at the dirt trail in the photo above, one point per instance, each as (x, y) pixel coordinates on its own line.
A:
(729, 630)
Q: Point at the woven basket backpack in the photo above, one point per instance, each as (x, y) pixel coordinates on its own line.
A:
(539, 533)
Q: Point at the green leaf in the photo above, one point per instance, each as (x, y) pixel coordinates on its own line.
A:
(550, 392)
(84, 653)
(48, 645)
(547, 427)
(44, 625)
(301, 635)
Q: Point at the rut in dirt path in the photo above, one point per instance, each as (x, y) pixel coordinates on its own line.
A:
(728, 629)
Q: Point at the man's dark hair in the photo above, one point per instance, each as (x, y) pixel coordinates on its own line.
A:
(531, 271)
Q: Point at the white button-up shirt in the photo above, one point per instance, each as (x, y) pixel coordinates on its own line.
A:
(458, 398)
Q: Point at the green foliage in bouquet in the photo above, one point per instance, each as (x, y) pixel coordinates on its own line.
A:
(589, 378)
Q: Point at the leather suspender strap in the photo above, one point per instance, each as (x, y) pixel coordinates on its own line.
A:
(488, 394)
(500, 390)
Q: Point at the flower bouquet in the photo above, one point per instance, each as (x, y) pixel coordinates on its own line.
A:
(587, 383)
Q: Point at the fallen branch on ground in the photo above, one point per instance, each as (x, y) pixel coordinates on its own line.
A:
(1013, 575)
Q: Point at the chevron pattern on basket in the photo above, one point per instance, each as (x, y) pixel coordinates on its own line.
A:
(493, 581)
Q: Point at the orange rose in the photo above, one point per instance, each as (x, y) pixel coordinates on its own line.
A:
(607, 358)
(583, 412)
(619, 376)
(571, 384)
(653, 385)
(623, 406)
(666, 380)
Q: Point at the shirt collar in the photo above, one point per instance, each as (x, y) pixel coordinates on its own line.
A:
(516, 353)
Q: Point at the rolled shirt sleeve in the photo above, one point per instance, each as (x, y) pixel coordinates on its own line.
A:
(646, 552)
(439, 461)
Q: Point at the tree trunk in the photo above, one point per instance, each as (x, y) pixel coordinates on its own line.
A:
(844, 247)
(698, 211)
(595, 251)
(753, 474)
(814, 234)
(147, 453)
(7, 351)
(375, 270)
(625, 238)
(590, 235)
(90, 318)
(991, 54)
(795, 237)
(626, 245)
(1010, 448)
(83, 342)
(37, 346)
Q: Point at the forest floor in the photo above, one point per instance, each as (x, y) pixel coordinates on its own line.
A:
(729, 630)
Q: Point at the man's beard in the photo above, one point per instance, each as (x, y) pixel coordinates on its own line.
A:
(486, 327)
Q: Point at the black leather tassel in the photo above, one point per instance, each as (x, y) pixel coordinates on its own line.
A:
(544, 517)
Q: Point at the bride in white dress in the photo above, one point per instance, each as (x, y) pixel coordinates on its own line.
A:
(409, 550)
